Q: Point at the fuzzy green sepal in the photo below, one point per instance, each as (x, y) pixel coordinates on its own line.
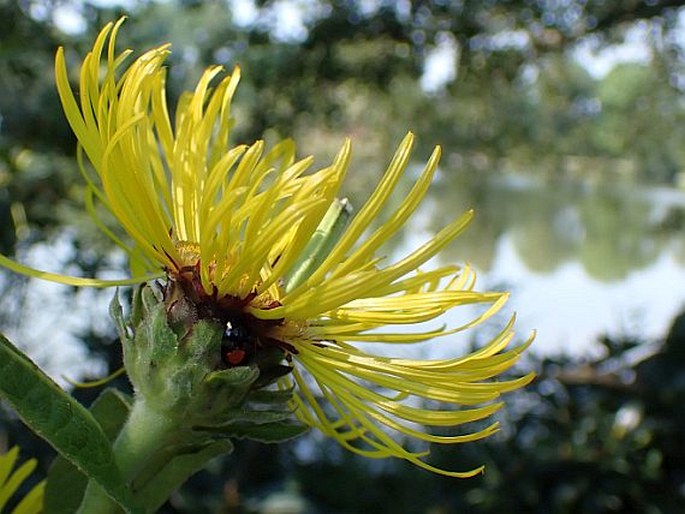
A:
(174, 363)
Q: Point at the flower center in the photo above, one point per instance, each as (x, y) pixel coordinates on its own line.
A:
(245, 335)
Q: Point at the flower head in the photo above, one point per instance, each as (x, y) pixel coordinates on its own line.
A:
(256, 240)
(10, 481)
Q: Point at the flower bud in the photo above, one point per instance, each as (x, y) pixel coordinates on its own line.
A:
(173, 357)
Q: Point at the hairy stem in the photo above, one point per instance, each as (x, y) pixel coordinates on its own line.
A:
(145, 433)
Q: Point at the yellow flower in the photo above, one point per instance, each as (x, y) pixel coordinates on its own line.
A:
(237, 229)
(10, 481)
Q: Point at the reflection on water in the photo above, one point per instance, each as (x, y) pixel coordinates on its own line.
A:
(610, 231)
(570, 307)
(580, 259)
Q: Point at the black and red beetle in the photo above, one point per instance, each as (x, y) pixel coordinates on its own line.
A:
(238, 346)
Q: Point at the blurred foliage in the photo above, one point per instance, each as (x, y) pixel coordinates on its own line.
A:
(593, 436)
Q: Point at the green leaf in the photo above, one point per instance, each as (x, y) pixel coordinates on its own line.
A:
(66, 484)
(268, 397)
(60, 420)
(116, 312)
(259, 417)
(270, 375)
(267, 433)
(64, 488)
(157, 490)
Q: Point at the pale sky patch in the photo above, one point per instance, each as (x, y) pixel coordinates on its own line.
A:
(600, 60)
(440, 67)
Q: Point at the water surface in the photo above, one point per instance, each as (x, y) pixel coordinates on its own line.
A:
(580, 259)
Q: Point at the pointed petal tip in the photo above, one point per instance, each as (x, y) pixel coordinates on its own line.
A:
(526, 344)
(407, 142)
(118, 23)
(527, 378)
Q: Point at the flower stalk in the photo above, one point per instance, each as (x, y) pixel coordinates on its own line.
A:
(145, 433)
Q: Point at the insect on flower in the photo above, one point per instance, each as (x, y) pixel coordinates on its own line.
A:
(258, 241)
(237, 345)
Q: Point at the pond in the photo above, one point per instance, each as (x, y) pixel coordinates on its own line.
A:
(581, 259)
